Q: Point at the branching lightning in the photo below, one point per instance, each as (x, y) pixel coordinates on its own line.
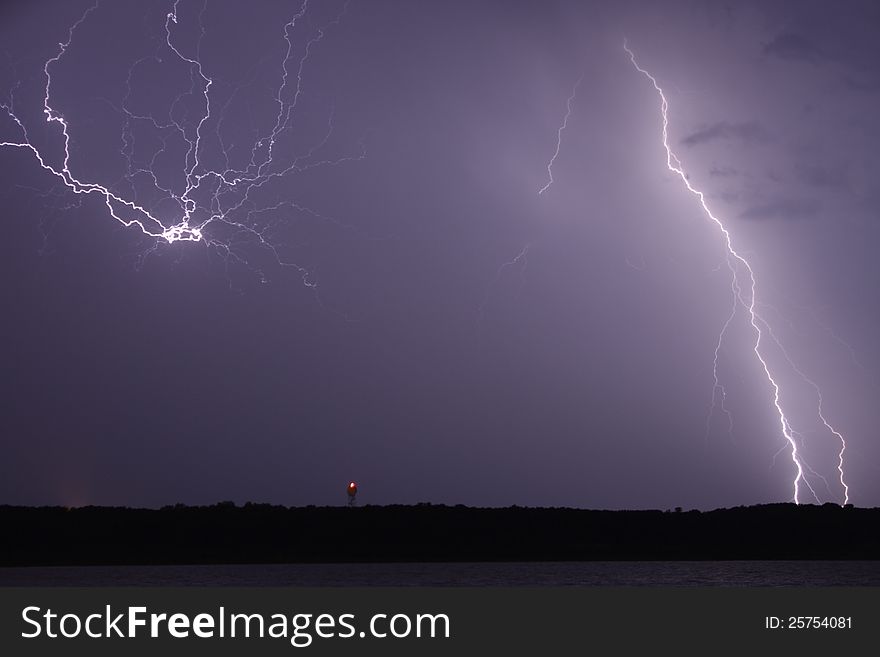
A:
(719, 392)
(231, 216)
(819, 412)
(744, 295)
(521, 261)
(216, 204)
(559, 132)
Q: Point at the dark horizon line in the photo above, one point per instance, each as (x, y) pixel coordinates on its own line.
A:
(251, 503)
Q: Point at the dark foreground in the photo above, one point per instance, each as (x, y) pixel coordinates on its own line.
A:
(257, 533)
(738, 573)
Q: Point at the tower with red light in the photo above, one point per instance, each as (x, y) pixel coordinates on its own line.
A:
(352, 491)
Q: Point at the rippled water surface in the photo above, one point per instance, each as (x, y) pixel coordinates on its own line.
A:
(590, 573)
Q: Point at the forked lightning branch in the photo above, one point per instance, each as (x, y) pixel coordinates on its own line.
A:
(231, 216)
(743, 286)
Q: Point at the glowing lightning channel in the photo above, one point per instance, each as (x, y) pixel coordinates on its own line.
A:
(148, 224)
(717, 387)
(748, 301)
(231, 187)
(559, 136)
(521, 261)
(819, 410)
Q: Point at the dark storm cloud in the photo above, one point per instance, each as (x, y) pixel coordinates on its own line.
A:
(724, 172)
(787, 209)
(864, 84)
(820, 175)
(792, 46)
(748, 131)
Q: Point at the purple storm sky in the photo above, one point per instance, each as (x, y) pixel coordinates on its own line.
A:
(398, 305)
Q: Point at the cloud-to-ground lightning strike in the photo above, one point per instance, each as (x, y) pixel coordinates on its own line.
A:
(744, 294)
(819, 412)
(231, 217)
(559, 136)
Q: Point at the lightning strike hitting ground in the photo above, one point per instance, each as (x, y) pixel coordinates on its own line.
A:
(232, 217)
(744, 295)
(819, 412)
(559, 136)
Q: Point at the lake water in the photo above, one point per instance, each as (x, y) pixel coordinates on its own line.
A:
(589, 573)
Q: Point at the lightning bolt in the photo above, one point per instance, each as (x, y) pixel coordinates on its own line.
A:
(231, 217)
(819, 412)
(744, 295)
(559, 132)
(521, 261)
(719, 392)
(853, 356)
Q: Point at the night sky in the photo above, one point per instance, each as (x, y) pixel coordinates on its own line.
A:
(396, 304)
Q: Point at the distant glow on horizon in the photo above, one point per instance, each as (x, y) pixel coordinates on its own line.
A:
(748, 301)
